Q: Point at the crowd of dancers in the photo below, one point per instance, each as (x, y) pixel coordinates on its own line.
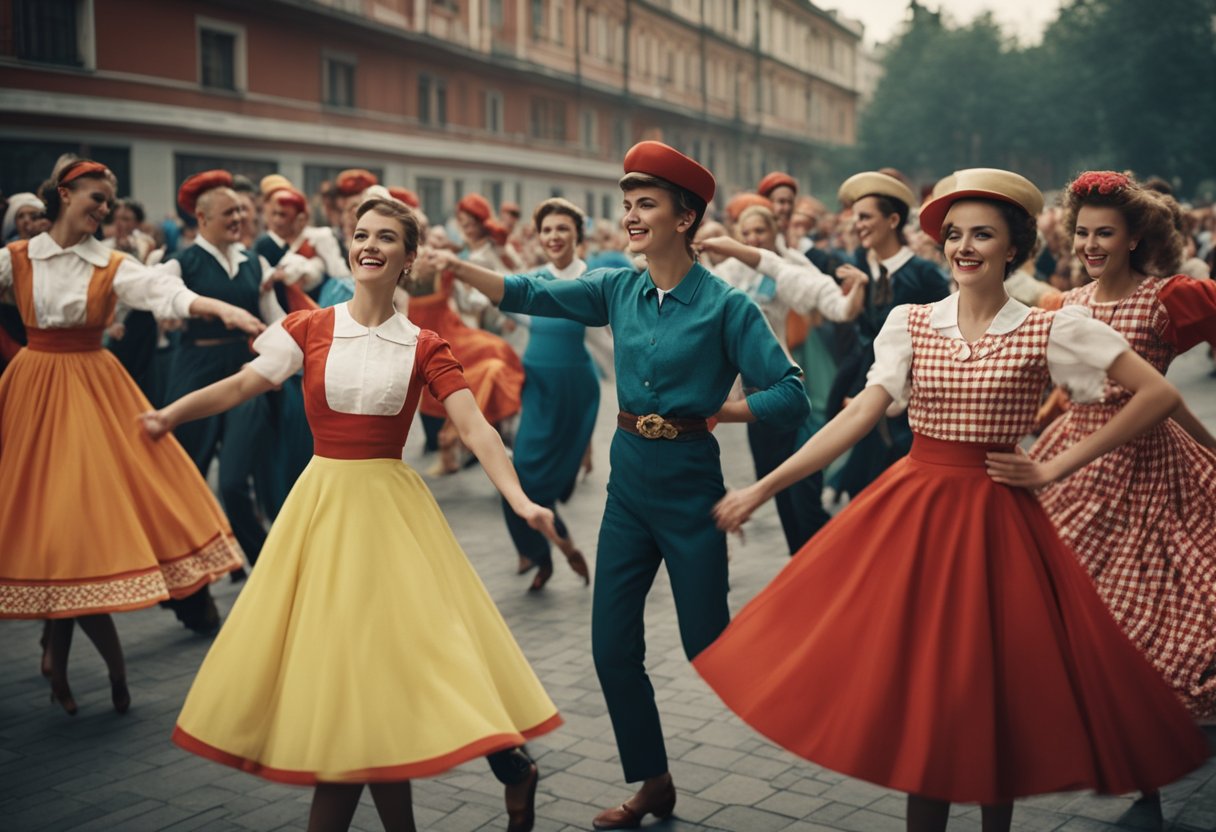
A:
(997, 618)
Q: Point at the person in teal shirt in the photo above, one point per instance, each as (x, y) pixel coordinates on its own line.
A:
(681, 337)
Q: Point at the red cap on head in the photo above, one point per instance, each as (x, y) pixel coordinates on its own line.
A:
(740, 202)
(475, 205)
(82, 168)
(355, 181)
(199, 184)
(292, 197)
(407, 196)
(775, 180)
(497, 232)
(662, 162)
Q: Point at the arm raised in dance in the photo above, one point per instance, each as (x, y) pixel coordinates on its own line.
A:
(219, 397)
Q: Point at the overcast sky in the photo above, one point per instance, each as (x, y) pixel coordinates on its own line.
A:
(1024, 18)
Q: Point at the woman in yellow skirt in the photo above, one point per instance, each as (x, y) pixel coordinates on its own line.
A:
(96, 518)
(364, 649)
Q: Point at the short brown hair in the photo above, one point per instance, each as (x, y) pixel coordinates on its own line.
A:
(557, 205)
(1152, 217)
(397, 210)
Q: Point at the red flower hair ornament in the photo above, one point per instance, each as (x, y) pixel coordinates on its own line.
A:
(1100, 181)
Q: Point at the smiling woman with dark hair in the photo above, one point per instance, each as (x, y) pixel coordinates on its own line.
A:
(682, 336)
(364, 649)
(95, 520)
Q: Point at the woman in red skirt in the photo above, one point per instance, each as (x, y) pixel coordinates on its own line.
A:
(1142, 519)
(938, 637)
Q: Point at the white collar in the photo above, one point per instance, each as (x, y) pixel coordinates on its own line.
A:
(231, 259)
(943, 315)
(398, 329)
(893, 263)
(576, 268)
(92, 251)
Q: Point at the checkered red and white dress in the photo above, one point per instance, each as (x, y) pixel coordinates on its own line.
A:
(1142, 518)
(937, 637)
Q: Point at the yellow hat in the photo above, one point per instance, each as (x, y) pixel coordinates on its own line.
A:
(272, 183)
(873, 183)
(981, 183)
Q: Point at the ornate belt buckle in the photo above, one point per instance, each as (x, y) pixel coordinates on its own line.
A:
(654, 426)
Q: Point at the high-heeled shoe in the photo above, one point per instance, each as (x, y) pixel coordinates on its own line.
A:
(119, 695)
(524, 818)
(629, 814)
(579, 564)
(62, 694)
(543, 574)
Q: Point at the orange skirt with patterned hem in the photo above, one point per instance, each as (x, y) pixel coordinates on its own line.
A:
(97, 517)
(384, 774)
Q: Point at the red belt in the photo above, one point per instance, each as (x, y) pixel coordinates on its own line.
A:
(654, 426)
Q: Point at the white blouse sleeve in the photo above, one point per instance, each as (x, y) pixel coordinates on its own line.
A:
(156, 289)
(307, 271)
(1080, 350)
(269, 309)
(893, 359)
(279, 356)
(804, 289)
(6, 276)
(327, 248)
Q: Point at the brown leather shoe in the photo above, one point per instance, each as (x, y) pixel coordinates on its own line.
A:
(630, 813)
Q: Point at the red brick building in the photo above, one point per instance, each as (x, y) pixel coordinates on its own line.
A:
(517, 99)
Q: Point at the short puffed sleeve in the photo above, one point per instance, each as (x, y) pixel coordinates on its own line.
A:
(1079, 352)
(439, 369)
(1190, 305)
(280, 348)
(893, 358)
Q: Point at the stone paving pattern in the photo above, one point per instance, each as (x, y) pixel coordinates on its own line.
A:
(101, 771)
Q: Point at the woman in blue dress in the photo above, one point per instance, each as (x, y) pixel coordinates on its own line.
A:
(561, 397)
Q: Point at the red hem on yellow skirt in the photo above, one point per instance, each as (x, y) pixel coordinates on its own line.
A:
(382, 774)
(176, 577)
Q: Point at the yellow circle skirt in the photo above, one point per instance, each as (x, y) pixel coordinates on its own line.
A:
(364, 648)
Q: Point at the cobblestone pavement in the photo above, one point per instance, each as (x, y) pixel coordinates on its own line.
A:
(100, 771)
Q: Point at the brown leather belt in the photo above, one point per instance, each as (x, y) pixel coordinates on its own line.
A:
(654, 426)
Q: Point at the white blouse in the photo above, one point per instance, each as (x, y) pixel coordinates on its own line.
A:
(62, 276)
(782, 284)
(1079, 348)
(367, 372)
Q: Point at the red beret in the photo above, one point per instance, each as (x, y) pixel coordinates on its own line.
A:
(407, 196)
(662, 162)
(199, 184)
(355, 181)
(475, 205)
(497, 232)
(290, 196)
(740, 202)
(775, 180)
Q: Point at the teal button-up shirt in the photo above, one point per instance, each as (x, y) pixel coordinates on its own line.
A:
(678, 359)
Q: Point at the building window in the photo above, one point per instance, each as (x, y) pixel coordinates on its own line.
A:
(338, 80)
(606, 207)
(559, 22)
(496, 16)
(548, 119)
(221, 55)
(620, 136)
(430, 194)
(53, 31)
(538, 19)
(432, 100)
(588, 129)
(494, 189)
(494, 111)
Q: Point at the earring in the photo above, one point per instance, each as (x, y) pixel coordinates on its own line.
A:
(1133, 247)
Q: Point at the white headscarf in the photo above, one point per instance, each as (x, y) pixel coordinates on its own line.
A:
(15, 203)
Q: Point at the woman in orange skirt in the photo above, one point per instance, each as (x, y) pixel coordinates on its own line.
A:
(492, 368)
(937, 636)
(97, 518)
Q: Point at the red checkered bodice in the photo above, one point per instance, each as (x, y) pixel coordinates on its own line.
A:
(1140, 317)
(987, 391)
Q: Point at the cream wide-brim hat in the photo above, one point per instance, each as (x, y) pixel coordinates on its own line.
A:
(873, 183)
(978, 183)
